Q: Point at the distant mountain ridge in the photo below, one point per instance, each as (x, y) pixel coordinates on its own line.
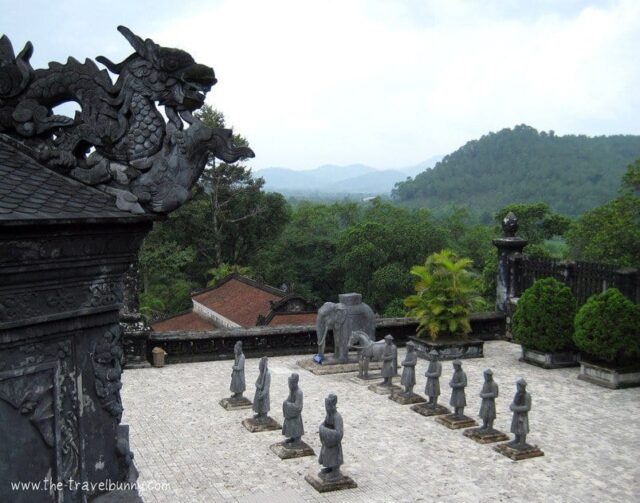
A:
(334, 179)
(570, 173)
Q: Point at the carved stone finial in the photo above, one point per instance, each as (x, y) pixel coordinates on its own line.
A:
(510, 225)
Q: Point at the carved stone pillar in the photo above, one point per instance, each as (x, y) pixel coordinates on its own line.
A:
(77, 196)
(510, 249)
(64, 252)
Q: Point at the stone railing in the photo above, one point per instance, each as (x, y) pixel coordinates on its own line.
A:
(191, 346)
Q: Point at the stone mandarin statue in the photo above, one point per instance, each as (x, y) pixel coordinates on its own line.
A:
(433, 373)
(458, 401)
(261, 402)
(458, 383)
(520, 407)
(389, 361)
(408, 379)
(292, 427)
(432, 389)
(331, 433)
(487, 433)
(518, 449)
(488, 395)
(238, 384)
(261, 421)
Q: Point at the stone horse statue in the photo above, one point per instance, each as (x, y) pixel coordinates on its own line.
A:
(367, 351)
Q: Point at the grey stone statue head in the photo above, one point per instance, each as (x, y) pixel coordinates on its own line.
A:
(388, 339)
(457, 364)
(293, 381)
(521, 384)
(263, 364)
(331, 403)
(411, 347)
(433, 355)
(237, 348)
(488, 375)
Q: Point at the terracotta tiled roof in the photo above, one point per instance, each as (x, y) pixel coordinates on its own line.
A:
(239, 299)
(293, 319)
(185, 321)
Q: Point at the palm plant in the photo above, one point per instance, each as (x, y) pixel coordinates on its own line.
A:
(446, 294)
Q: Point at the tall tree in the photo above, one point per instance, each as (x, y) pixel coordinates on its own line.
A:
(228, 218)
(235, 200)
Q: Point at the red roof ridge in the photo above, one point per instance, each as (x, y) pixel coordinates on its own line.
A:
(242, 279)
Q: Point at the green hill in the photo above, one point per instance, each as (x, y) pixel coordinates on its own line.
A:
(520, 165)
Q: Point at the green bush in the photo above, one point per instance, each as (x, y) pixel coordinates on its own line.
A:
(446, 294)
(395, 309)
(608, 328)
(544, 317)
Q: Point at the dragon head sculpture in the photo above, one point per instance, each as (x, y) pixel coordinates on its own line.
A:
(168, 76)
(118, 141)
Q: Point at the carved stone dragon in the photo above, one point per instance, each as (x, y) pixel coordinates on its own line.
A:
(118, 141)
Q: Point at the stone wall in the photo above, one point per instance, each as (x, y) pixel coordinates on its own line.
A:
(185, 346)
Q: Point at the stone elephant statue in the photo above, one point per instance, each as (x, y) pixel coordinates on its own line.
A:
(331, 316)
(349, 314)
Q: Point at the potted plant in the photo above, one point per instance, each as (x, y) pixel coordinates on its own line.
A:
(608, 335)
(446, 294)
(543, 325)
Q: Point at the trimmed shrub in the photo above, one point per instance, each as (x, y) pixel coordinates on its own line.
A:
(608, 328)
(544, 317)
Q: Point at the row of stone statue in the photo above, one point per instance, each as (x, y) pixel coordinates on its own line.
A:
(517, 449)
(331, 430)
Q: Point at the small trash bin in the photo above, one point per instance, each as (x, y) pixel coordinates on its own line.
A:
(158, 356)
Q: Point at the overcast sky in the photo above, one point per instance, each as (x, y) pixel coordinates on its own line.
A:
(384, 83)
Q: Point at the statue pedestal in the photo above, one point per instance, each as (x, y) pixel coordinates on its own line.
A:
(530, 451)
(334, 367)
(485, 436)
(236, 403)
(286, 450)
(331, 360)
(384, 390)
(403, 399)
(427, 410)
(323, 485)
(454, 422)
(366, 379)
(268, 424)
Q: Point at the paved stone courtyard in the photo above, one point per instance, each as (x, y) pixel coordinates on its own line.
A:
(189, 449)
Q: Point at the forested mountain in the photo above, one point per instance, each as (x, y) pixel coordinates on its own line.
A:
(570, 173)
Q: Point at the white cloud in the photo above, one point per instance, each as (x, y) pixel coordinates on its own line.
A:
(392, 83)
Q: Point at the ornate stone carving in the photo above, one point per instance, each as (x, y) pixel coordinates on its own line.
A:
(17, 306)
(107, 366)
(147, 164)
(40, 383)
